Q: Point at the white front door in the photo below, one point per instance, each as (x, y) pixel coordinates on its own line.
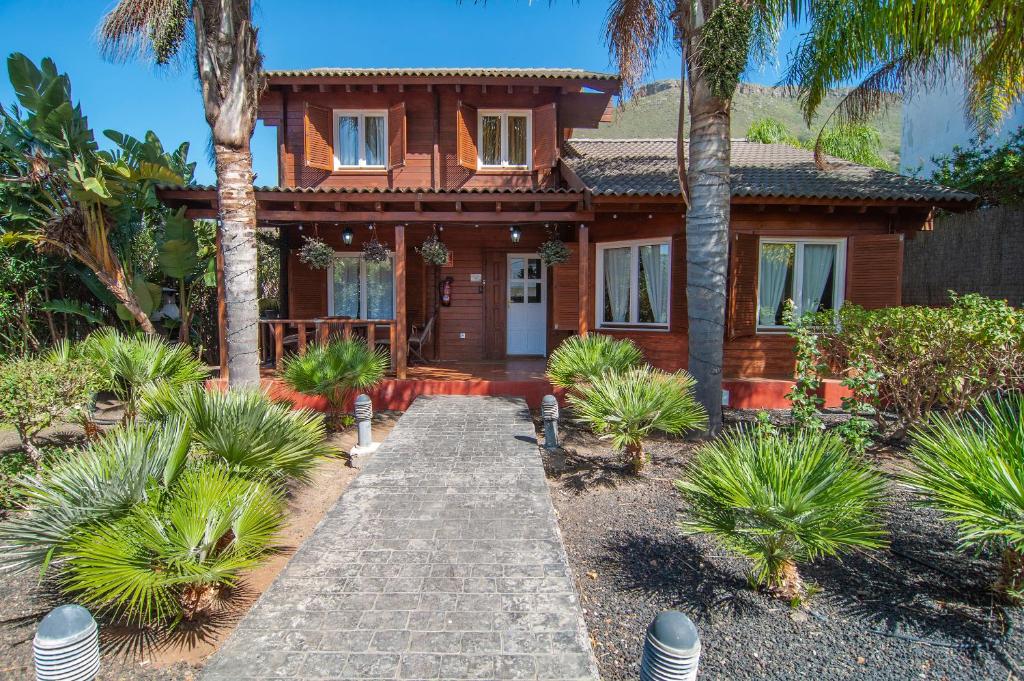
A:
(527, 305)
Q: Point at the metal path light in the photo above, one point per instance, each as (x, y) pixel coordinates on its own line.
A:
(549, 412)
(365, 445)
(67, 645)
(671, 649)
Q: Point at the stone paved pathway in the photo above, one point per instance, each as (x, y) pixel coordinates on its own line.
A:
(442, 560)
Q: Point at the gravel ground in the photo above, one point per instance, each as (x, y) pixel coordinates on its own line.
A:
(919, 610)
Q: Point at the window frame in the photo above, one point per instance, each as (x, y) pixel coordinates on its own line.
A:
(838, 290)
(503, 132)
(362, 285)
(362, 115)
(634, 292)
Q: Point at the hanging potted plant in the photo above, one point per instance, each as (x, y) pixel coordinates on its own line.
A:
(315, 253)
(433, 251)
(374, 250)
(554, 251)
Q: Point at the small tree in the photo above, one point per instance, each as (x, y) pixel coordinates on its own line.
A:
(782, 498)
(626, 407)
(971, 470)
(335, 370)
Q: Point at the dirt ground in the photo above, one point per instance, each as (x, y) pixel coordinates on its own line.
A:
(134, 654)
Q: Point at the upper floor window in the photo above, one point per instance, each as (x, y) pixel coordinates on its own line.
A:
(361, 139)
(504, 139)
(633, 283)
(810, 272)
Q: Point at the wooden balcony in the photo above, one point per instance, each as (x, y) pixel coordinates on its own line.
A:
(279, 337)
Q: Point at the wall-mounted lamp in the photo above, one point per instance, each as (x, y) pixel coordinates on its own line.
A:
(346, 236)
(515, 234)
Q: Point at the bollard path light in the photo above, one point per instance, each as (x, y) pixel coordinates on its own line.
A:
(364, 444)
(549, 412)
(671, 649)
(67, 645)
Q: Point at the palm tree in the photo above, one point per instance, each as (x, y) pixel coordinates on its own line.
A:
(716, 38)
(893, 48)
(229, 67)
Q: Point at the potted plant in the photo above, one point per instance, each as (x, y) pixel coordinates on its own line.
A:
(373, 249)
(316, 254)
(433, 251)
(554, 251)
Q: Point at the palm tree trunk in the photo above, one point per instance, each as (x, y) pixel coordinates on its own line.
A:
(237, 202)
(707, 239)
(1011, 579)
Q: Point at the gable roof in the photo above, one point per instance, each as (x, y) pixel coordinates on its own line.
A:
(458, 72)
(647, 167)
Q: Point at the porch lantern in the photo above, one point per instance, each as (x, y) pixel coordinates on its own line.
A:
(346, 236)
(515, 234)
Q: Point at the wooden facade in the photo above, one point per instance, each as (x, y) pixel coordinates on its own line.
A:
(431, 181)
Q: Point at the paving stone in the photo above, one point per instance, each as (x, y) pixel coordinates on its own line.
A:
(442, 560)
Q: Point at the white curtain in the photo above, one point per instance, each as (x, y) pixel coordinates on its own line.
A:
(655, 261)
(776, 261)
(375, 144)
(616, 283)
(346, 286)
(818, 262)
(348, 140)
(380, 290)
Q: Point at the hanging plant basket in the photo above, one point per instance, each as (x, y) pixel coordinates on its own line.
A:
(316, 254)
(554, 252)
(374, 250)
(433, 251)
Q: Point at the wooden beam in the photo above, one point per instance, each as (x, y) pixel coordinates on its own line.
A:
(324, 88)
(497, 206)
(339, 206)
(401, 335)
(296, 88)
(376, 88)
(583, 242)
(483, 88)
(568, 197)
(401, 87)
(830, 209)
(458, 206)
(510, 89)
(417, 206)
(482, 217)
(348, 87)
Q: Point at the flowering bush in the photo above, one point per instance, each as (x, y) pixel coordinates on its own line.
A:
(433, 251)
(554, 251)
(316, 254)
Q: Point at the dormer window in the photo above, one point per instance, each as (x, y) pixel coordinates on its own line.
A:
(505, 139)
(362, 139)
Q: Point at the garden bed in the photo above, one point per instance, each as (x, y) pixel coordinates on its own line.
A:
(919, 610)
(132, 654)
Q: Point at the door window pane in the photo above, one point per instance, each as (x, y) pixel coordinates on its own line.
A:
(533, 293)
(380, 290)
(616, 284)
(490, 144)
(517, 140)
(375, 144)
(515, 293)
(348, 140)
(515, 268)
(533, 268)
(346, 286)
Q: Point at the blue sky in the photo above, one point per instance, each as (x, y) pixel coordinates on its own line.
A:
(135, 97)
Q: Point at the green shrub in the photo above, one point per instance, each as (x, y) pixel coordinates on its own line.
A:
(244, 429)
(971, 469)
(922, 359)
(35, 392)
(130, 363)
(581, 359)
(167, 558)
(781, 499)
(625, 407)
(335, 370)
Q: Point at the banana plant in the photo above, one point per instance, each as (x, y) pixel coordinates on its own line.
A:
(61, 192)
(186, 254)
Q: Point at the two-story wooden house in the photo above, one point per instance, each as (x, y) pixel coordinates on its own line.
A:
(495, 161)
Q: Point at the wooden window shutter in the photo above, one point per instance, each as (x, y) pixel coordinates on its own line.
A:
(874, 270)
(466, 131)
(565, 292)
(742, 286)
(318, 125)
(545, 137)
(396, 135)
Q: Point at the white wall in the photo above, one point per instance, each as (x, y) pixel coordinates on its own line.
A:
(933, 123)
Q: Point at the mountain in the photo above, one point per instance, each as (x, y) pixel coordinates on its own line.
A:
(654, 112)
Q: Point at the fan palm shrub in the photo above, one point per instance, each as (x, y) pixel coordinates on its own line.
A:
(580, 359)
(336, 369)
(243, 429)
(168, 558)
(626, 407)
(130, 363)
(971, 469)
(780, 499)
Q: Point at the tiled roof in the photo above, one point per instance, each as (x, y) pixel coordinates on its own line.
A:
(647, 167)
(553, 74)
(381, 190)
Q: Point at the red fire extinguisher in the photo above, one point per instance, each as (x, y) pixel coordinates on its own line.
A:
(446, 291)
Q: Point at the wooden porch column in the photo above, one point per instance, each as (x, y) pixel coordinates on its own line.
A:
(222, 310)
(401, 334)
(584, 270)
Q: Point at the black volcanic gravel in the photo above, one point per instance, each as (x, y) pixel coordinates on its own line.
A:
(918, 611)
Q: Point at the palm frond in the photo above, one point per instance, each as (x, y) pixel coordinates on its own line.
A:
(636, 32)
(580, 359)
(333, 370)
(144, 28)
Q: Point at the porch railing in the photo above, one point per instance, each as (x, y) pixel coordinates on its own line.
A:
(279, 337)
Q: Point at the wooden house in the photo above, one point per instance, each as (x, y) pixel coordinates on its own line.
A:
(496, 162)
